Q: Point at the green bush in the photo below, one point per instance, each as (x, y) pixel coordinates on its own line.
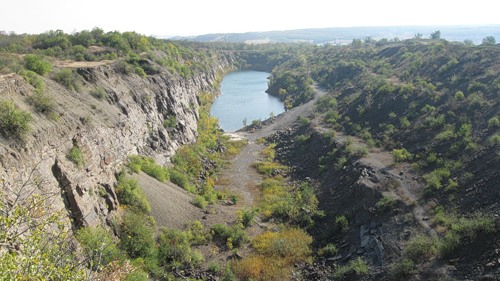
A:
(401, 155)
(34, 80)
(421, 248)
(75, 155)
(180, 179)
(402, 269)
(139, 71)
(234, 235)
(328, 251)
(14, 123)
(170, 122)
(292, 245)
(98, 247)
(434, 179)
(463, 231)
(200, 202)
(130, 193)
(137, 236)
(493, 122)
(137, 275)
(385, 204)
(494, 139)
(42, 103)
(357, 267)
(341, 224)
(246, 216)
(37, 64)
(174, 248)
(269, 168)
(99, 93)
(148, 165)
(67, 78)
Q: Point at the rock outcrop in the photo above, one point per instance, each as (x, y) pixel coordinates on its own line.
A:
(129, 119)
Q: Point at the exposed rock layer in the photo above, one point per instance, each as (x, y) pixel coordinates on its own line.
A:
(129, 120)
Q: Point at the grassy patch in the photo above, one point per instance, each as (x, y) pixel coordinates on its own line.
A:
(356, 267)
(75, 155)
(148, 165)
(275, 254)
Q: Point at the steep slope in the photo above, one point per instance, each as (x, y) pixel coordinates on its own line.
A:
(129, 119)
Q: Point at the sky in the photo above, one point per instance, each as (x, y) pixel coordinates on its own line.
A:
(196, 17)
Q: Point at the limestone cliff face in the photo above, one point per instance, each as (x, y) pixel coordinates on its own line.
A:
(129, 120)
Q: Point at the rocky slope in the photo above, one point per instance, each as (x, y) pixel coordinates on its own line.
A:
(128, 120)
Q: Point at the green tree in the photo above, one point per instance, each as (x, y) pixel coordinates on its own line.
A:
(436, 35)
(98, 247)
(36, 242)
(489, 40)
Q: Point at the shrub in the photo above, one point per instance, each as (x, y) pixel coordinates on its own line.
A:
(139, 71)
(303, 121)
(328, 251)
(42, 103)
(180, 179)
(341, 224)
(174, 248)
(148, 165)
(137, 275)
(269, 168)
(494, 139)
(493, 122)
(401, 155)
(98, 247)
(34, 80)
(214, 267)
(99, 93)
(137, 235)
(37, 64)
(129, 193)
(291, 245)
(199, 201)
(401, 269)
(14, 123)
(420, 248)
(357, 267)
(170, 122)
(246, 216)
(75, 155)
(385, 204)
(67, 78)
(234, 234)
(463, 231)
(434, 179)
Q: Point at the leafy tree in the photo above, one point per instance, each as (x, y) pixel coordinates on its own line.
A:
(489, 40)
(436, 35)
(98, 247)
(36, 243)
(468, 42)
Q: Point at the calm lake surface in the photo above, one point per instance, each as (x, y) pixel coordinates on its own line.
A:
(243, 96)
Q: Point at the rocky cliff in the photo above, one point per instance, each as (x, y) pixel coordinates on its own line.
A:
(127, 118)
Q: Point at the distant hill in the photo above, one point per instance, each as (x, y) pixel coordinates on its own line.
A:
(344, 35)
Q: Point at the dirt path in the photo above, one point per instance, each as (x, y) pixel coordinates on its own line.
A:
(79, 64)
(241, 178)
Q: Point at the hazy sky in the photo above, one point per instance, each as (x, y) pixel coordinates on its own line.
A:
(194, 17)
